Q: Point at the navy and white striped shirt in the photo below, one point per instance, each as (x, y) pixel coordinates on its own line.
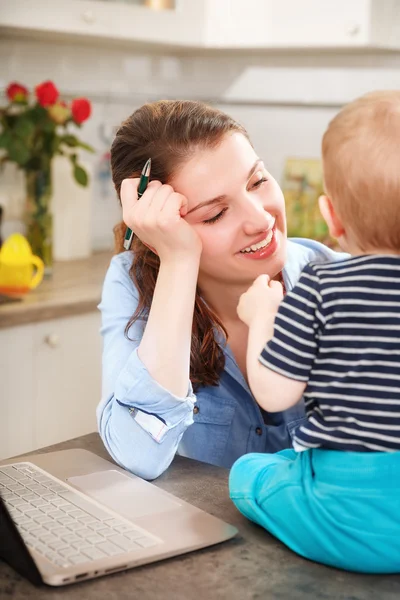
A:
(339, 331)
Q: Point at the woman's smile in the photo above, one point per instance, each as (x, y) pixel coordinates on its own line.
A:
(261, 249)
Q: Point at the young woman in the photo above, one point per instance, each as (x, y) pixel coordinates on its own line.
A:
(211, 220)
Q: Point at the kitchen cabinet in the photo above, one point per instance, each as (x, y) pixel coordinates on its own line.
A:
(104, 20)
(212, 24)
(303, 24)
(50, 374)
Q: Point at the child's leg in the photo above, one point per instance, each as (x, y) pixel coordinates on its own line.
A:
(287, 453)
(344, 521)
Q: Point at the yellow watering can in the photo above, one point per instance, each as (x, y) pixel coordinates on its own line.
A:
(20, 270)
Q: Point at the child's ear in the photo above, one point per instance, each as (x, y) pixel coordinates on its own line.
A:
(327, 209)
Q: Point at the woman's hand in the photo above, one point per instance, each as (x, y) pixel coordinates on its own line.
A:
(157, 219)
(261, 300)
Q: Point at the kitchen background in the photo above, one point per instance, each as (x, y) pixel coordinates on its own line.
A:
(283, 89)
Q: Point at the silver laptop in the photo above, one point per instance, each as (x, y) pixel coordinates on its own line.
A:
(78, 516)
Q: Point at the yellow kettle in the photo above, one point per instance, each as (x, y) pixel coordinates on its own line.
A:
(20, 270)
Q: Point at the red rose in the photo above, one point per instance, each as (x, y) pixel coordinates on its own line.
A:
(16, 92)
(47, 93)
(81, 109)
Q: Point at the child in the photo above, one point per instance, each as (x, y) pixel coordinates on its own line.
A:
(335, 340)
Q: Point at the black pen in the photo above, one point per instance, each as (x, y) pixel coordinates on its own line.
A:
(144, 180)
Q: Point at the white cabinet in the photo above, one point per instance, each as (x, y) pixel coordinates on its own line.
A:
(99, 19)
(302, 24)
(50, 374)
(16, 391)
(213, 24)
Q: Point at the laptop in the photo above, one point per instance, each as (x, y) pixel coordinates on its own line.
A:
(69, 516)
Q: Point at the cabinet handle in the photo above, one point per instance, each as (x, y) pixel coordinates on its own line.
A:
(52, 340)
(88, 16)
(352, 29)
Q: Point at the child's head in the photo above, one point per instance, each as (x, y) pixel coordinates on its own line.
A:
(361, 162)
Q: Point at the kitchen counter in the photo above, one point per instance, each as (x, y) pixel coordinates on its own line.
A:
(74, 288)
(251, 566)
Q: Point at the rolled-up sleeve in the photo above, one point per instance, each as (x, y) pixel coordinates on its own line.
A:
(140, 422)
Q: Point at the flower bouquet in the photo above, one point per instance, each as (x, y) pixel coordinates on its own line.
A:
(35, 127)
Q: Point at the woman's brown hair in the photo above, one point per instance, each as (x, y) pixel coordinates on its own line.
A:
(170, 132)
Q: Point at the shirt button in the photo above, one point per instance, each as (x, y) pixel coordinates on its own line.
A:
(258, 431)
(196, 410)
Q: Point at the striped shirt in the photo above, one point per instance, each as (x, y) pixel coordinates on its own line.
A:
(339, 331)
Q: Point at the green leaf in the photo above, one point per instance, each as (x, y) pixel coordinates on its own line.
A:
(5, 139)
(24, 128)
(70, 140)
(80, 175)
(86, 147)
(37, 114)
(48, 126)
(73, 142)
(18, 152)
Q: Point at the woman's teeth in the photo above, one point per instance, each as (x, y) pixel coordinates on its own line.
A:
(261, 244)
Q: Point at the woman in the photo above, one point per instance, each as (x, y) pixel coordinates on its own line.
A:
(211, 220)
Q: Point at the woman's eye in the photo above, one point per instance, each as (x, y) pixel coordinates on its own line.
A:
(216, 218)
(259, 182)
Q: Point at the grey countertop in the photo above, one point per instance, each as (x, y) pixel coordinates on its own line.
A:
(74, 288)
(253, 565)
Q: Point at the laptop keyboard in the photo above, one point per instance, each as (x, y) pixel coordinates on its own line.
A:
(60, 524)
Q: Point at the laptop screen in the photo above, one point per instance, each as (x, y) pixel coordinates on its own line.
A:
(13, 549)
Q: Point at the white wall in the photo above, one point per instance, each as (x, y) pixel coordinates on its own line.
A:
(285, 100)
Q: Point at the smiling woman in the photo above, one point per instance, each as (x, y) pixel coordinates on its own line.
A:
(211, 220)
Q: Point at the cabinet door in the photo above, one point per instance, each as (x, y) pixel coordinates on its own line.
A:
(16, 391)
(101, 19)
(67, 374)
(288, 23)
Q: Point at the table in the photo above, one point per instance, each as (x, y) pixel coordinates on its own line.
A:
(253, 565)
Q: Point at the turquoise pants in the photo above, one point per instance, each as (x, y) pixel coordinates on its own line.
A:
(337, 508)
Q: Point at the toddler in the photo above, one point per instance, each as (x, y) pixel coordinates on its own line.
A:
(335, 341)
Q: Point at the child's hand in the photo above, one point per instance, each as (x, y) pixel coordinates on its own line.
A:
(261, 300)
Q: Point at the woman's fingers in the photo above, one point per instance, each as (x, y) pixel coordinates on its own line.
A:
(155, 199)
(176, 207)
(128, 193)
(134, 210)
(157, 218)
(144, 205)
(158, 200)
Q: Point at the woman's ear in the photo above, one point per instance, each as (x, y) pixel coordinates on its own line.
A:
(334, 223)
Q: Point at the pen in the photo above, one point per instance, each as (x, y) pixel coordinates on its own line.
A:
(144, 180)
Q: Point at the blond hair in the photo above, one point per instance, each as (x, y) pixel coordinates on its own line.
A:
(361, 160)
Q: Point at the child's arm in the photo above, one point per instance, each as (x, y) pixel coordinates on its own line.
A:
(258, 308)
(274, 392)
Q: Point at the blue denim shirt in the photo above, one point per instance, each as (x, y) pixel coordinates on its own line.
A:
(143, 425)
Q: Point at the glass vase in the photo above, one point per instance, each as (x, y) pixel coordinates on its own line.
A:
(39, 218)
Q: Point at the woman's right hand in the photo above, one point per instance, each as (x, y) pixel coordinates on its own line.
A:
(157, 218)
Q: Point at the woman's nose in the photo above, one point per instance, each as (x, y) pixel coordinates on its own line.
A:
(256, 218)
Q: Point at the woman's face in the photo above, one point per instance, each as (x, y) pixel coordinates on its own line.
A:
(237, 208)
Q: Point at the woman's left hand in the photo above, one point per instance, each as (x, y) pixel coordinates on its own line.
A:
(260, 301)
